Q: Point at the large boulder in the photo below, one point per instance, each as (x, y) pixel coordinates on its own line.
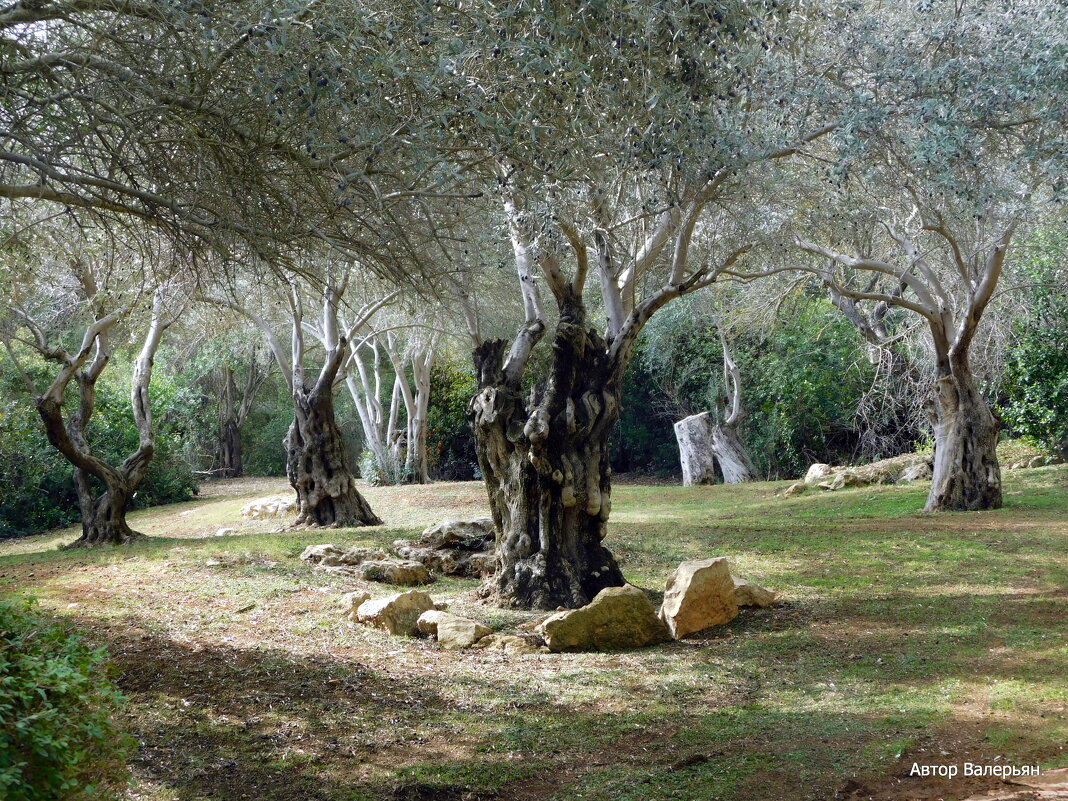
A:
(748, 594)
(455, 633)
(699, 594)
(397, 614)
(394, 571)
(618, 618)
(273, 506)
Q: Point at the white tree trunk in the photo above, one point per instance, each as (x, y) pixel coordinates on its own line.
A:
(696, 450)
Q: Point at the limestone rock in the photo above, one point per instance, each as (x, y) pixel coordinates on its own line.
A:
(428, 622)
(699, 594)
(468, 535)
(618, 618)
(456, 633)
(224, 532)
(395, 571)
(795, 489)
(332, 556)
(515, 644)
(847, 478)
(351, 601)
(748, 594)
(921, 471)
(273, 506)
(316, 553)
(818, 472)
(397, 614)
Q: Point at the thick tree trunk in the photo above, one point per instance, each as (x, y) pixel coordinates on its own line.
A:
(546, 467)
(733, 458)
(103, 515)
(317, 466)
(694, 435)
(967, 476)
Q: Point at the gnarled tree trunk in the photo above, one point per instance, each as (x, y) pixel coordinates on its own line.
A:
(733, 458)
(104, 514)
(317, 465)
(967, 476)
(546, 467)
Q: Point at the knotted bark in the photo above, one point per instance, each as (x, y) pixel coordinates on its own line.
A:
(967, 476)
(317, 465)
(545, 462)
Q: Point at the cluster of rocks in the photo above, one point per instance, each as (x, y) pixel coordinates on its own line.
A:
(699, 594)
(1039, 460)
(453, 548)
(414, 613)
(898, 470)
(264, 508)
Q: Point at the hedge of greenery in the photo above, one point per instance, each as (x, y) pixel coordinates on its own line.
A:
(57, 739)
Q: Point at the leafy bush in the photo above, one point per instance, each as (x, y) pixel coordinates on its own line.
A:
(450, 443)
(56, 738)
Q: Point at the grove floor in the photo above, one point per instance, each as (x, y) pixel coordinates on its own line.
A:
(901, 637)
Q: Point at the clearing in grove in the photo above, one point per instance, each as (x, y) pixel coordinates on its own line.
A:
(900, 637)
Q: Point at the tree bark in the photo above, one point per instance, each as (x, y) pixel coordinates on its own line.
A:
(229, 429)
(317, 465)
(730, 453)
(694, 436)
(967, 476)
(546, 466)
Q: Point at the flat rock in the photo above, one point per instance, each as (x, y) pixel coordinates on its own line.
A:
(333, 556)
(397, 614)
(699, 594)
(456, 633)
(748, 594)
(273, 506)
(795, 489)
(395, 571)
(515, 644)
(618, 618)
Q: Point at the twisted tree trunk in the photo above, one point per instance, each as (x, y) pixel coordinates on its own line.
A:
(546, 468)
(316, 459)
(967, 476)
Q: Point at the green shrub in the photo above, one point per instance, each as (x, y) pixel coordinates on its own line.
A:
(56, 738)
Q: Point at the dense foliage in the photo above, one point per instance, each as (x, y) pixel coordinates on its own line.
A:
(57, 741)
(1036, 380)
(450, 444)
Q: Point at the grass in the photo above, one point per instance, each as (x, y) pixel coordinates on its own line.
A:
(900, 637)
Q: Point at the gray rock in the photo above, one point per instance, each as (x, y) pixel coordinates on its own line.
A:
(394, 571)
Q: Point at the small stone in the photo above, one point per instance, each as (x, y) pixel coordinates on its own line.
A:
(748, 594)
(224, 532)
(699, 594)
(209, 563)
(618, 618)
(456, 633)
(393, 571)
(397, 614)
(514, 644)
